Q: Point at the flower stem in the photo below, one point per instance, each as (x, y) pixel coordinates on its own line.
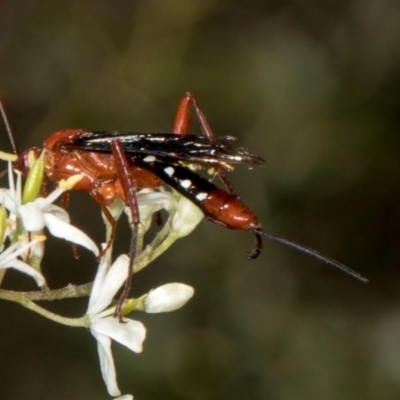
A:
(150, 253)
(71, 291)
(83, 321)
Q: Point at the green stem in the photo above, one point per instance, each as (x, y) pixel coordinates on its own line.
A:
(71, 291)
(2, 273)
(150, 254)
(82, 322)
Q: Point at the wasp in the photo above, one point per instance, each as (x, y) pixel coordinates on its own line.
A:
(115, 164)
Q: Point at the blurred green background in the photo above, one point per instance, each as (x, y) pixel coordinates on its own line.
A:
(311, 86)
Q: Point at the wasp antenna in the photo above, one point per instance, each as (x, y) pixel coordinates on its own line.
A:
(8, 127)
(312, 253)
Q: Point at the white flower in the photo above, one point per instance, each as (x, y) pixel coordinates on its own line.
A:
(186, 218)
(104, 326)
(168, 297)
(150, 202)
(40, 213)
(186, 214)
(8, 259)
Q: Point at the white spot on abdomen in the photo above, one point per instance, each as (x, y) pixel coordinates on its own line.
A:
(186, 183)
(201, 196)
(169, 171)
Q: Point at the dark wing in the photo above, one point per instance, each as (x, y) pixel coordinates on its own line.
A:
(189, 148)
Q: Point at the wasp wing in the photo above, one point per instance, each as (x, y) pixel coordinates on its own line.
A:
(189, 148)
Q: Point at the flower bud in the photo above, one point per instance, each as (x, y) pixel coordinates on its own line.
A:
(3, 224)
(167, 298)
(34, 181)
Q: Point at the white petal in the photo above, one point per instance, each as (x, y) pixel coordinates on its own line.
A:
(107, 363)
(113, 280)
(116, 208)
(32, 217)
(11, 183)
(68, 232)
(151, 202)
(45, 202)
(8, 201)
(15, 250)
(18, 191)
(186, 218)
(98, 282)
(6, 255)
(130, 333)
(57, 211)
(168, 297)
(26, 269)
(37, 250)
(124, 397)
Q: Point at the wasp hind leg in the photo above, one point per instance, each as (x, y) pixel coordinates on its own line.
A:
(129, 187)
(181, 126)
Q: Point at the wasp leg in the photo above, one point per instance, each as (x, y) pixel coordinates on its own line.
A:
(111, 220)
(181, 125)
(129, 187)
(182, 116)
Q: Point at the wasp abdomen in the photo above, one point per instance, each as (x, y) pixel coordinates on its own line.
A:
(218, 205)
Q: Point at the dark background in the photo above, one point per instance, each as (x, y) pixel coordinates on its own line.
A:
(311, 86)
